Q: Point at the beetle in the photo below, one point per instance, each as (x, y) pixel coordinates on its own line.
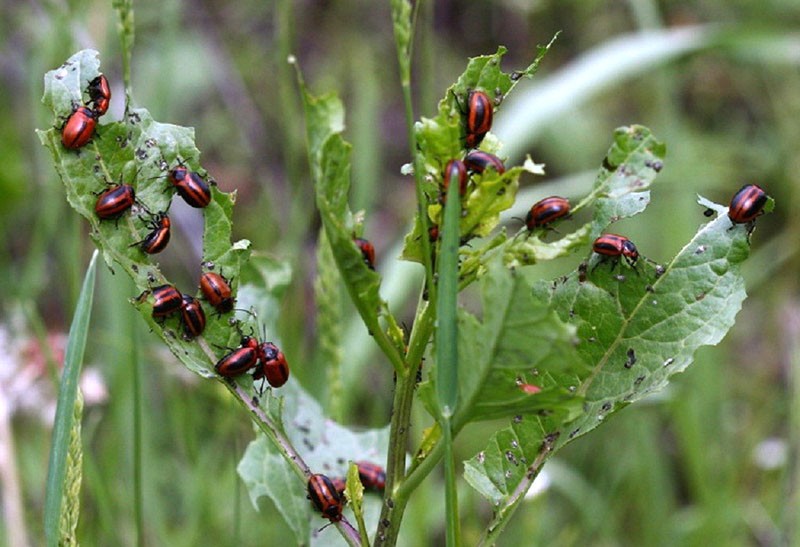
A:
(455, 170)
(545, 211)
(112, 203)
(99, 94)
(478, 161)
(325, 497)
(614, 246)
(166, 301)
(479, 117)
(217, 291)
(367, 251)
(192, 316)
(340, 484)
(372, 476)
(157, 240)
(191, 186)
(273, 365)
(239, 360)
(78, 128)
(747, 204)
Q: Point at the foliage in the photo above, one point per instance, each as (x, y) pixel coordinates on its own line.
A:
(553, 358)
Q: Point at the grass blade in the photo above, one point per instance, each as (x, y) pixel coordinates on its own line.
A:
(66, 401)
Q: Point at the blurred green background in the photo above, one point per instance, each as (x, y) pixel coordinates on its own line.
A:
(710, 461)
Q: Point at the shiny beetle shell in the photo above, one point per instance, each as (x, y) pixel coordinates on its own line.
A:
(112, 203)
(747, 204)
(546, 211)
(325, 497)
(79, 128)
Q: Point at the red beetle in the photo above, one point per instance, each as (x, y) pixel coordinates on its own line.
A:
(455, 170)
(372, 476)
(191, 186)
(100, 95)
(615, 246)
(747, 204)
(325, 497)
(217, 291)
(546, 211)
(113, 202)
(166, 301)
(157, 240)
(78, 128)
(479, 117)
(367, 251)
(192, 316)
(478, 161)
(239, 360)
(273, 365)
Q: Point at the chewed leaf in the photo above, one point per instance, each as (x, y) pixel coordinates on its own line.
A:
(520, 359)
(140, 151)
(325, 446)
(620, 191)
(442, 138)
(629, 168)
(635, 331)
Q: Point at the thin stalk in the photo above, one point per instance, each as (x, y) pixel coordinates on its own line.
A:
(453, 530)
(138, 484)
(447, 350)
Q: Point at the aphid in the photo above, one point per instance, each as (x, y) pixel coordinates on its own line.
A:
(747, 204)
(325, 497)
(367, 251)
(190, 186)
(546, 211)
(113, 202)
(372, 476)
(157, 240)
(78, 128)
(478, 161)
(192, 316)
(166, 301)
(100, 94)
(615, 246)
(273, 365)
(479, 117)
(217, 291)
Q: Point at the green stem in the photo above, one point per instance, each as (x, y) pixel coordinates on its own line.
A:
(394, 507)
(138, 485)
(451, 492)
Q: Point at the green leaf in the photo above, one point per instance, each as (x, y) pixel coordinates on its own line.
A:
(139, 151)
(329, 156)
(620, 191)
(354, 492)
(66, 407)
(441, 139)
(519, 343)
(634, 333)
(446, 306)
(325, 447)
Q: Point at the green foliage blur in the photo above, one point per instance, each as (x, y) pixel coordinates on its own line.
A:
(713, 460)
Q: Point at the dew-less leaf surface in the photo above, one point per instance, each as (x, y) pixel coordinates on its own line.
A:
(634, 332)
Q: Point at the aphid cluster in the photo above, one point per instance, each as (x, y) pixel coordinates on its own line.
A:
(268, 362)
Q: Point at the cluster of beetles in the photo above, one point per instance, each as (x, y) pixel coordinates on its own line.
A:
(264, 358)
(745, 206)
